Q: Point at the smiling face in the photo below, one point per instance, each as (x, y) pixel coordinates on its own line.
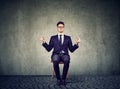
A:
(60, 28)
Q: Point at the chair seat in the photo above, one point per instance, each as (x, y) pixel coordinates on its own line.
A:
(59, 62)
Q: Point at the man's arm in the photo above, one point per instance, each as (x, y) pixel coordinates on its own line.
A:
(49, 46)
(72, 48)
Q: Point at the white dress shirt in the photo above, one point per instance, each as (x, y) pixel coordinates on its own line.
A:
(62, 36)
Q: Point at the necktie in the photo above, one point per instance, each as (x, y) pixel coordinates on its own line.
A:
(60, 39)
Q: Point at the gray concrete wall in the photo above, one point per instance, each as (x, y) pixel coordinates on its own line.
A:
(96, 22)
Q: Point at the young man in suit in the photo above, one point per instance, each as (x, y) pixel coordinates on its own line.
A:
(60, 44)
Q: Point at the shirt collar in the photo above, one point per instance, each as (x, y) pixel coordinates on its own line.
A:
(61, 34)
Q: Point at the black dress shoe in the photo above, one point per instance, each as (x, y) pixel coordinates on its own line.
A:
(64, 82)
(58, 82)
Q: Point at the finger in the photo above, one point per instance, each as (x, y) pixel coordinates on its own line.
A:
(79, 38)
(42, 38)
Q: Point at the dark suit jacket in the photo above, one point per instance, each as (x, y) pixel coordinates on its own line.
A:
(54, 43)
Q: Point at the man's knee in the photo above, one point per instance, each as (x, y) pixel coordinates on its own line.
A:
(55, 58)
(66, 59)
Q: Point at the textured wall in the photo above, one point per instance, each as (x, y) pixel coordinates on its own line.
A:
(96, 22)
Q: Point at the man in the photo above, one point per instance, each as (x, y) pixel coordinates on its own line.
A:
(60, 44)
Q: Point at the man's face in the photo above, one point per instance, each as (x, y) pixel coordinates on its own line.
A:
(60, 28)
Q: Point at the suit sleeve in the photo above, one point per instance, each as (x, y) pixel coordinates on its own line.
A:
(49, 46)
(72, 48)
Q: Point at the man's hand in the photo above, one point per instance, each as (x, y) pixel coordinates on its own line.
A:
(78, 41)
(42, 39)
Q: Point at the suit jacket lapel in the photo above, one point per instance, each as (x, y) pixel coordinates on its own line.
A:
(57, 39)
(64, 39)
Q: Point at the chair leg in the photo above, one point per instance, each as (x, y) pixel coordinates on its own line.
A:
(67, 76)
(53, 72)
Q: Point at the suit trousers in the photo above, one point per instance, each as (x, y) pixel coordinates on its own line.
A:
(56, 58)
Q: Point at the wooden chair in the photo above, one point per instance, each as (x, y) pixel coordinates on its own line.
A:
(53, 72)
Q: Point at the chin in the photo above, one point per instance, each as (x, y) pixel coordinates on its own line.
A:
(61, 32)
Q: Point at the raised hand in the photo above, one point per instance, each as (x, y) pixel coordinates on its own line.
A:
(42, 39)
(78, 41)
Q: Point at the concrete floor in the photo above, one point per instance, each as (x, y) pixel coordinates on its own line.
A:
(46, 82)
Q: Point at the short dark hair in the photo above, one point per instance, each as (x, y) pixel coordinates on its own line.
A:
(60, 22)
